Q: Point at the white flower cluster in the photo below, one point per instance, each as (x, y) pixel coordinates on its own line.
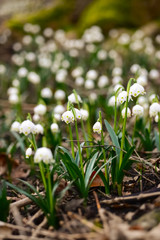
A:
(27, 127)
(68, 117)
(154, 109)
(43, 154)
(13, 95)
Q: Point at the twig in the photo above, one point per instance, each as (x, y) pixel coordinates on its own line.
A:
(17, 217)
(129, 198)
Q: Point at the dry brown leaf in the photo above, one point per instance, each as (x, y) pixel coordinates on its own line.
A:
(97, 182)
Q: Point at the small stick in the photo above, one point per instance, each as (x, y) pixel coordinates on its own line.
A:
(17, 218)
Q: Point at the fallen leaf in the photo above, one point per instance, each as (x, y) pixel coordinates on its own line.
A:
(97, 182)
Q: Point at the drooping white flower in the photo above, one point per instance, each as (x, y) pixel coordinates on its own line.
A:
(72, 98)
(135, 68)
(118, 86)
(68, 117)
(39, 129)
(122, 97)
(54, 128)
(111, 101)
(102, 54)
(84, 113)
(40, 109)
(124, 111)
(36, 117)
(22, 72)
(89, 84)
(154, 109)
(117, 71)
(59, 109)
(78, 113)
(92, 74)
(43, 154)
(138, 110)
(136, 90)
(13, 99)
(61, 75)
(27, 127)
(57, 117)
(103, 81)
(117, 80)
(48, 32)
(152, 97)
(142, 80)
(33, 78)
(77, 72)
(97, 127)
(156, 119)
(141, 100)
(15, 126)
(15, 83)
(46, 92)
(12, 90)
(79, 81)
(154, 74)
(28, 152)
(59, 95)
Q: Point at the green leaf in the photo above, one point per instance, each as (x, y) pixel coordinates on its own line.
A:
(4, 203)
(77, 159)
(156, 135)
(67, 152)
(89, 169)
(114, 138)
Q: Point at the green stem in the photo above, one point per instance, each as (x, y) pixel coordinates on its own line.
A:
(134, 130)
(41, 167)
(124, 124)
(159, 128)
(85, 137)
(79, 148)
(104, 153)
(50, 189)
(71, 138)
(115, 114)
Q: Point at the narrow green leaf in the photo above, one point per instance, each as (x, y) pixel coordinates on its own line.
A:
(89, 169)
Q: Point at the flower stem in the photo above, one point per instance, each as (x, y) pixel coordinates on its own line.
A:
(79, 148)
(50, 189)
(134, 130)
(71, 138)
(159, 128)
(124, 124)
(104, 153)
(41, 167)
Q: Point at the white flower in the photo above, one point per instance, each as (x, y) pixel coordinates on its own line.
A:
(117, 80)
(54, 128)
(39, 129)
(152, 97)
(36, 117)
(59, 95)
(122, 97)
(138, 110)
(22, 72)
(15, 83)
(93, 97)
(84, 113)
(77, 72)
(142, 80)
(136, 90)
(78, 113)
(59, 109)
(46, 92)
(33, 78)
(154, 74)
(79, 81)
(102, 54)
(68, 117)
(30, 57)
(103, 81)
(117, 71)
(135, 68)
(57, 116)
(13, 98)
(92, 74)
(27, 39)
(111, 102)
(15, 126)
(61, 75)
(124, 111)
(89, 84)
(154, 109)
(40, 109)
(48, 32)
(97, 127)
(27, 127)
(28, 152)
(12, 90)
(118, 86)
(142, 100)
(43, 154)
(72, 98)
(156, 119)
